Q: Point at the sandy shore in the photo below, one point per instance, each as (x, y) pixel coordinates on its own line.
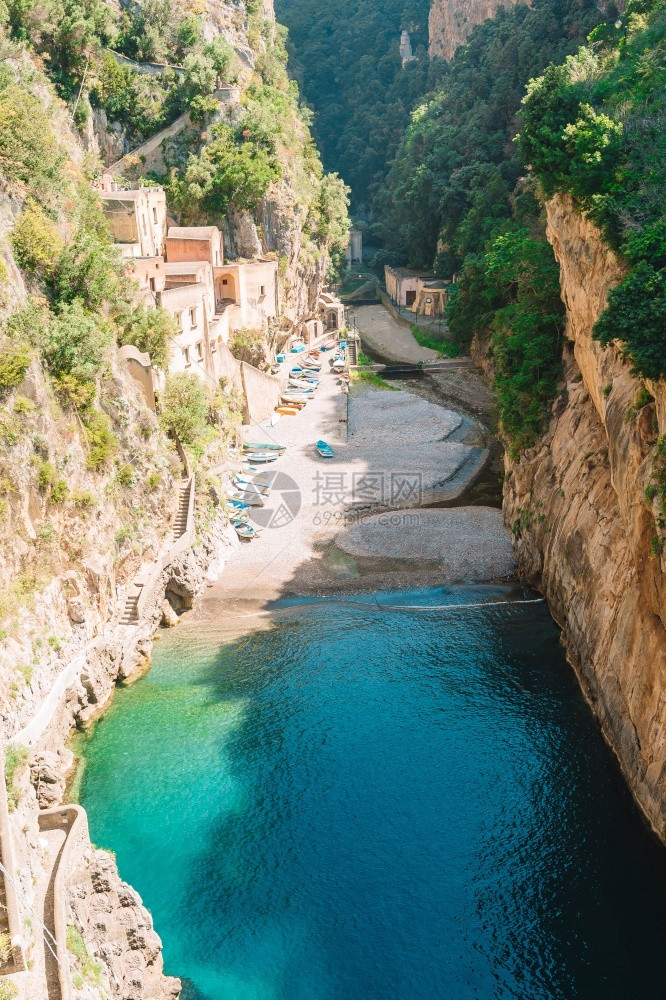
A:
(321, 529)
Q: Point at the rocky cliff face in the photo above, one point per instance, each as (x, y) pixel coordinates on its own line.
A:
(451, 22)
(586, 532)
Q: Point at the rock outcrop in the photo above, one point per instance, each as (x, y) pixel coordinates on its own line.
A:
(586, 531)
(451, 22)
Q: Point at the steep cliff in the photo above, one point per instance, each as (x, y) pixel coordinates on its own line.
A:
(584, 507)
(451, 22)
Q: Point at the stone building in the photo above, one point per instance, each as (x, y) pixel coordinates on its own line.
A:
(149, 274)
(252, 287)
(418, 291)
(136, 219)
(188, 243)
(332, 311)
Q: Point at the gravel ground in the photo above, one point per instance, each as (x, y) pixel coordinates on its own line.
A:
(470, 543)
(311, 539)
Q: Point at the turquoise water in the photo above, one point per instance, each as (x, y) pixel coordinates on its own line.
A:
(358, 802)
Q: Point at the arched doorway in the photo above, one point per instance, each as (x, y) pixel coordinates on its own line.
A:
(226, 288)
(332, 320)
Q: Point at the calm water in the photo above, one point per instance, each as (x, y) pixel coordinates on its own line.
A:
(359, 803)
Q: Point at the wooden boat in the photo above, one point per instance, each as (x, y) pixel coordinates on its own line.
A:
(339, 366)
(249, 499)
(297, 383)
(247, 486)
(328, 345)
(324, 449)
(294, 399)
(263, 446)
(243, 529)
(304, 388)
(260, 478)
(260, 460)
(288, 411)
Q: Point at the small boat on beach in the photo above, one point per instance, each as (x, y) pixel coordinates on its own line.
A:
(288, 411)
(324, 449)
(328, 345)
(297, 348)
(263, 446)
(261, 457)
(339, 366)
(249, 499)
(295, 399)
(247, 486)
(243, 529)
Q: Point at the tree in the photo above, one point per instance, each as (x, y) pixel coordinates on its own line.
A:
(76, 342)
(152, 331)
(184, 407)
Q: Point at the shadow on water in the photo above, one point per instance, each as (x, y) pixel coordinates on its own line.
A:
(399, 796)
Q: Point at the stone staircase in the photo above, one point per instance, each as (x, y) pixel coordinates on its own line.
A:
(176, 542)
(182, 516)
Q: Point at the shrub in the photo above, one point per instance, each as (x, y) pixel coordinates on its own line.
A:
(45, 476)
(59, 491)
(22, 404)
(46, 532)
(77, 343)
(16, 756)
(88, 270)
(7, 990)
(101, 440)
(28, 148)
(125, 475)
(80, 392)
(184, 407)
(636, 315)
(35, 241)
(83, 501)
(90, 968)
(14, 364)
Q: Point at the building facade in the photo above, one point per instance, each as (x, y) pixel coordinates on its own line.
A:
(136, 219)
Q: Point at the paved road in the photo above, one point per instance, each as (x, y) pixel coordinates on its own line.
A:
(383, 335)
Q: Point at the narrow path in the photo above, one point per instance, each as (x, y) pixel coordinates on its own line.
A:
(388, 338)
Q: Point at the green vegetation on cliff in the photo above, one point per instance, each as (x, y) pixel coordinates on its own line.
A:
(347, 61)
(594, 128)
(456, 199)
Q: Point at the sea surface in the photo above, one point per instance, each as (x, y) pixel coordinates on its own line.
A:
(393, 798)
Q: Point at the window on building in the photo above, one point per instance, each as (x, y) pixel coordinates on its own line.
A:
(186, 356)
(193, 317)
(213, 347)
(262, 290)
(152, 284)
(224, 281)
(200, 352)
(154, 214)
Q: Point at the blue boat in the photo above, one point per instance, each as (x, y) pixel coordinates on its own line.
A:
(297, 348)
(324, 449)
